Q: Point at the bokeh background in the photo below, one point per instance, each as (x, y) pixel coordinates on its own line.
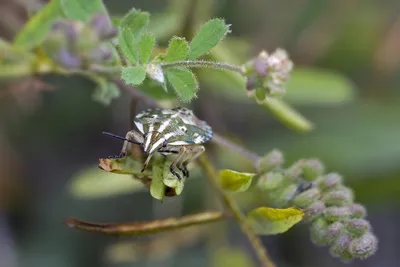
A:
(50, 139)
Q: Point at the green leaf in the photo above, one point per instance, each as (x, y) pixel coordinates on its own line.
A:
(157, 187)
(95, 183)
(317, 86)
(136, 21)
(82, 10)
(209, 35)
(133, 75)
(184, 83)
(235, 181)
(146, 45)
(177, 50)
(271, 221)
(36, 29)
(105, 92)
(128, 44)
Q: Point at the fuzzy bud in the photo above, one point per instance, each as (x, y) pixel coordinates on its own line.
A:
(68, 59)
(251, 83)
(340, 246)
(329, 181)
(285, 195)
(339, 197)
(333, 231)
(364, 246)
(334, 214)
(312, 169)
(270, 161)
(318, 230)
(294, 172)
(314, 210)
(306, 198)
(101, 24)
(270, 181)
(357, 211)
(100, 53)
(357, 227)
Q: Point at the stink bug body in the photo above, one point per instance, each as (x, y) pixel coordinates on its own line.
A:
(169, 131)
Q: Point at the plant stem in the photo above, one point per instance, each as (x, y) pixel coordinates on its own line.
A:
(221, 141)
(149, 227)
(203, 64)
(232, 207)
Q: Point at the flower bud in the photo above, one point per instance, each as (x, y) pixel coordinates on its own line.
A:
(306, 198)
(312, 169)
(251, 83)
(334, 214)
(340, 246)
(285, 195)
(260, 65)
(261, 94)
(68, 59)
(314, 210)
(357, 227)
(333, 231)
(294, 172)
(329, 181)
(270, 161)
(339, 197)
(100, 53)
(318, 230)
(357, 211)
(269, 181)
(364, 246)
(101, 24)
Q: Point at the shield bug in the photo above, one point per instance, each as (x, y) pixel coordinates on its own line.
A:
(169, 132)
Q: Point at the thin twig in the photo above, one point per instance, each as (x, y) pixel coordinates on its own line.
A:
(150, 227)
(221, 141)
(232, 206)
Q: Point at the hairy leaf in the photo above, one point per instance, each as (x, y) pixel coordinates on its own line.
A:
(36, 29)
(95, 183)
(146, 45)
(177, 50)
(235, 181)
(271, 221)
(133, 75)
(82, 10)
(136, 21)
(209, 35)
(129, 45)
(184, 82)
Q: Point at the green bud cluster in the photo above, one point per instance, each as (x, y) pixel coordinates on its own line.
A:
(336, 221)
(74, 44)
(266, 74)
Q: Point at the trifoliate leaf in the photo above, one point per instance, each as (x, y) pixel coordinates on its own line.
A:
(209, 35)
(146, 45)
(184, 82)
(235, 181)
(129, 45)
(177, 50)
(136, 21)
(271, 221)
(133, 75)
(79, 10)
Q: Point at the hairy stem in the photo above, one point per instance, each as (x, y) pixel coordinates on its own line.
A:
(203, 64)
(150, 227)
(232, 207)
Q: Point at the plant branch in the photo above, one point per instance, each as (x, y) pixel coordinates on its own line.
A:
(203, 64)
(232, 207)
(149, 227)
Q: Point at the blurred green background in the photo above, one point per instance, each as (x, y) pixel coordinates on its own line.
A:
(346, 56)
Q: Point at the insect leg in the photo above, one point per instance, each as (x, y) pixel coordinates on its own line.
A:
(195, 152)
(182, 152)
(131, 137)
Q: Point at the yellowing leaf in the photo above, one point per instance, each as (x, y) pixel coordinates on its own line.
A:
(235, 181)
(95, 183)
(126, 165)
(271, 221)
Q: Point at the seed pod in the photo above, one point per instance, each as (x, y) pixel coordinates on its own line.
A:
(364, 246)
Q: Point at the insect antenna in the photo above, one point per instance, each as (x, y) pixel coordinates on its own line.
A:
(120, 138)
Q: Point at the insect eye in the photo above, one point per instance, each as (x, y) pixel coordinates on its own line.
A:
(183, 129)
(165, 143)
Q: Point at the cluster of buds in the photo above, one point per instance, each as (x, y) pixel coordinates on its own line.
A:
(267, 74)
(74, 44)
(336, 221)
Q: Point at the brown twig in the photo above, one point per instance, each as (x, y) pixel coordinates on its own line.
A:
(149, 227)
(232, 206)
